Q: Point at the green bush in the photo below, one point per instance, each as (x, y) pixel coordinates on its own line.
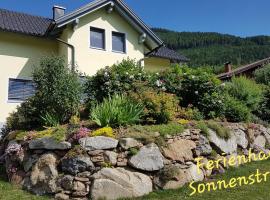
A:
(197, 88)
(117, 110)
(262, 75)
(58, 89)
(263, 112)
(236, 111)
(57, 97)
(119, 78)
(159, 107)
(246, 91)
(203, 127)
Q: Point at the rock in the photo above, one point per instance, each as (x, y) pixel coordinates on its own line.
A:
(29, 162)
(180, 150)
(98, 143)
(79, 194)
(148, 158)
(44, 175)
(260, 142)
(78, 186)
(110, 157)
(267, 135)
(203, 147)
(195, 174)
(61, 196)
(180, 178)
(16, 178)
(81, 179)
(84, 174)
(67, 182)
(49, 144)
(77, 164)
(227, 146)
(118, 183)
(241, 139)
(127, 143)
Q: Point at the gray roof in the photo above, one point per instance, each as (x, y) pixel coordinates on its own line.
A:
(164, 52)
(24, 23)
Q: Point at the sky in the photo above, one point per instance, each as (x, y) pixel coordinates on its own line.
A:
(236, 17)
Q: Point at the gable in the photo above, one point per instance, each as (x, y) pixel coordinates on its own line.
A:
(150, 39)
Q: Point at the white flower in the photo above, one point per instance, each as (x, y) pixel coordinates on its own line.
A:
(158, 83)
(131, 77)
(192, 77)
(223, 84)
(126, 73)
(157, 73)
(164, 88)
(196, 92)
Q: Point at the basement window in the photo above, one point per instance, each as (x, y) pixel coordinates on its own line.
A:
(20, 89)
(97, 38)
(118, 42)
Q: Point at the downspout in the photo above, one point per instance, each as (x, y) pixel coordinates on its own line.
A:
(72, 52)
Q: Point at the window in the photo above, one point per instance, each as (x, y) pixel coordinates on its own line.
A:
(97, 38)
(20, 90)
(119, 42)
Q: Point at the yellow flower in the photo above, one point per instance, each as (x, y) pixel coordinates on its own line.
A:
(106, 131)
(183, 121)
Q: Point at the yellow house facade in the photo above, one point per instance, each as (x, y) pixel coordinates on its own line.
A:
(99, 34)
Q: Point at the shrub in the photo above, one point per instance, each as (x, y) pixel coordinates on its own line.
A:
(198, 88)
(117, 110)
(262, 75)
(263, 112)
(246, 91)
(190, 113)
(58, 89)
(57, 97)
(236, 111)
(220, 130)
(119, 78)
(106, 131)
(159, 107)
(57, 133)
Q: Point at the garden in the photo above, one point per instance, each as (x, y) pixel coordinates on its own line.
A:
(76, 126)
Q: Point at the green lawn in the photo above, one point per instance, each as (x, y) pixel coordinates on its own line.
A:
(259, 191)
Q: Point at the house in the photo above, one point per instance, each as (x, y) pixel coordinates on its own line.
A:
(96, 35)
(246, 70)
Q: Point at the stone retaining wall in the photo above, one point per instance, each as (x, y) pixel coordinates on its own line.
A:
(108, 168)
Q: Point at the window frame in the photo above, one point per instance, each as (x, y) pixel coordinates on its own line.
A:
(104, 38)
(125, 42)
(16, 100)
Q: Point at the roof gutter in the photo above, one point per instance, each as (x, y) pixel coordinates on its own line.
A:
(72, 52)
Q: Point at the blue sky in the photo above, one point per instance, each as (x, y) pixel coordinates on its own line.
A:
(238, 17)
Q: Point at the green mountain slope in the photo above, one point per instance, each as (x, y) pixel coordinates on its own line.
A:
(214, 49)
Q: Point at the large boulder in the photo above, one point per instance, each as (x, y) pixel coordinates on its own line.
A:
(77, 164)
(195, 174)
(118, 183)
(180, 150)
(98, 143)
(241, 139)
(44, 175)
(228, 146)
(259, 142)
(203, 147)
(148, 158)
(178, 178)
(48, 143)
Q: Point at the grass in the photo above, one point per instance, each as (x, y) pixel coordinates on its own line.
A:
(258, 191)
(221, 131)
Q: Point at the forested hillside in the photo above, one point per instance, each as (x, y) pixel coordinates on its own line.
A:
(214, 49)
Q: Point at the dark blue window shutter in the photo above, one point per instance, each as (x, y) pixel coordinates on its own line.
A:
(118, 42)
(97, 38)
(20, 89)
